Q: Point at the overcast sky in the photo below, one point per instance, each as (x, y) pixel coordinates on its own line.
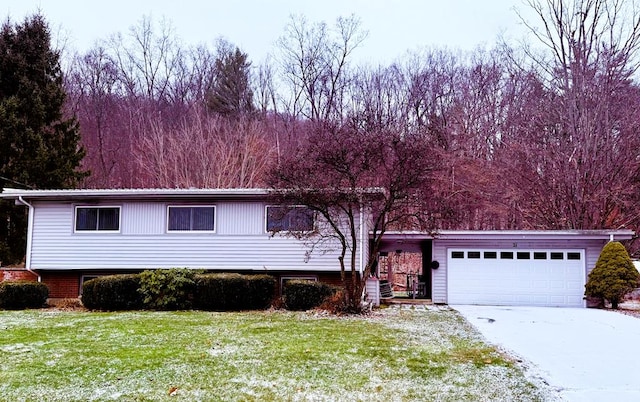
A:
(255, 25)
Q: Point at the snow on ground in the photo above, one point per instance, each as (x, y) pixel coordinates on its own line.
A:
(587, 354)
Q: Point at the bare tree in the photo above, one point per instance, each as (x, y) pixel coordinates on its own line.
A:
(146, 60)
(340, 173)
(576, 161)
(315, 60)
(204, 151)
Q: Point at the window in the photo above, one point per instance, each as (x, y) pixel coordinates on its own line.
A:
(104, 219)
(539, 255)
(457, 254)
(556, 255)
(523, 255)
(490, 255)
(191, 219)
(473, 254)
(573, 256)
(506, 255)
(289, 219)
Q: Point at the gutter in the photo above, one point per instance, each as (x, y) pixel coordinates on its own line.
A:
(27, 263)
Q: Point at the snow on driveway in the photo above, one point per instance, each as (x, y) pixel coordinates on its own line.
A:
(586, 354)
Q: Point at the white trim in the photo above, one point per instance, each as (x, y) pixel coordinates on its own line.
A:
(96, 231)
(215, 218)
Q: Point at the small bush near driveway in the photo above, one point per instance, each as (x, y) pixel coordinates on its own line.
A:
(613, 276)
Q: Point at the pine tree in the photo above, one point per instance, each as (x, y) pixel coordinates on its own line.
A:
(613, 276)
(39, 145)
(231, 93)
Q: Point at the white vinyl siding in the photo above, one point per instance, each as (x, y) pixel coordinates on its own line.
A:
(239, 244)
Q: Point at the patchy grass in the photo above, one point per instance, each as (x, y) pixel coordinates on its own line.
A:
(392, 355)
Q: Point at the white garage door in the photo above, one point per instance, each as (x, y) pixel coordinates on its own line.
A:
(516, 277)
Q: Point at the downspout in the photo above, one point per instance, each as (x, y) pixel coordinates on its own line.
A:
(27, 262)
(362, 239)
(362, 244)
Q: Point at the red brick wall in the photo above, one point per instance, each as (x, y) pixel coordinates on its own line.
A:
(17, 274)
(65, 284)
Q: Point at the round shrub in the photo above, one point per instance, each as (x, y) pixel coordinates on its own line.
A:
(168, 289)
(233, 292)
(112, 293)
(613, 276)
(304, 294)
(20, 295)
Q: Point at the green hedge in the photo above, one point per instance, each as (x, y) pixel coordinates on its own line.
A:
(113, 293)
(179, 289)
(168, 289)
(20, 295)
(304, 294)
(234, 292)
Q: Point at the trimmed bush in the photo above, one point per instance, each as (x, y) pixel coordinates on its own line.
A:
(261, 290)
(305, 295)
(613, 276)
(168, 289)
(233, 292)
(20, 295)
(112, 293)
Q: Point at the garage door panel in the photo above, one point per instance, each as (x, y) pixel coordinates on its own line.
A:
(537, 280)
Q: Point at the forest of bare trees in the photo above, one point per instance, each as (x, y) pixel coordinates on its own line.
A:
(539, 134)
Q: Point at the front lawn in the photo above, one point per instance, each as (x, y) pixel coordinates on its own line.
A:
(392, 355)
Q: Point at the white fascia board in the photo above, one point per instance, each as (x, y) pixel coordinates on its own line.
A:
(146, 193)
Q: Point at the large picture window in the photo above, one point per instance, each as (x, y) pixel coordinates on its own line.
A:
(289, 219)
(191, 218)
(103, 219)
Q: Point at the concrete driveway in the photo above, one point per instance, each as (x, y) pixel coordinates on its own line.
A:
(586, 354)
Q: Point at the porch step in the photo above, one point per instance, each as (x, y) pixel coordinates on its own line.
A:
(397, 300)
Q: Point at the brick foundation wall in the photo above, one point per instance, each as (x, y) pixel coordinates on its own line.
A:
(16, 274)
(65, 284)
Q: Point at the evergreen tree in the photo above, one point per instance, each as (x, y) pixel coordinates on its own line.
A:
(614, 275)
(39, 145)
(231, 93)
